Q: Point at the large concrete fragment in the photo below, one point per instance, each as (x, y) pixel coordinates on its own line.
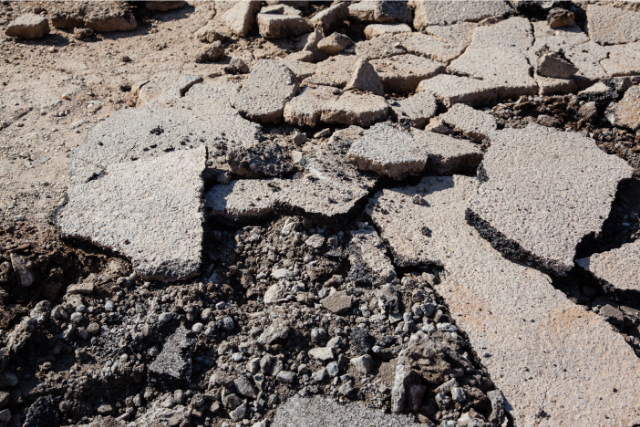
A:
(474, 124)
(380, 11)
(626, 113)
(618, 267)
(448, 155)
(306, 108)
(28, 26)
(272, 26)
(368, 252)
(610, 25)
(100, 16)
(428, 13)
(542, 351)
(441, 43)
(623, 60)
(335, 71)
(245, 200)
(546, 190)
(321, 412)
(269, 86)
(164, 89)
(403, 73)
(452, 90)
(388, 151)
(330, 17)
(240, 18)
(355, 109)
(415, 110)
(134, 210)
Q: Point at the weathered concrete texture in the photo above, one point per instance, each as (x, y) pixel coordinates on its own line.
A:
(330, 17)
(355, 109)
(335, 43)
(147, 132)
(302, 70)
(375, 30)
(335, 71)
(306, 108)
(550, 86)
(474, 124)
(240, 18)
(273, 26)
(134, 210)
(448, 155)
(269, 86)
(623, 60)
(415, 110)
(382, 46)
(365, 78)
(549, 364)
(497, 55)
(626, 113)
(267, 159)
(552, 64)
(610, 25)
(441, 43)
(618, 267)
(388, 151)
(174, 361)
(372, 253)
(403, 73)
(245, 200)
(452, 90)
(428, 13)
(28, 26)
(164, 88)
(323, 412)
(101, 16)
(546, 190)
(163, 6)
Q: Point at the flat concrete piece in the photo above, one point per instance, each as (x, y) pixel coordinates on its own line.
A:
(452, 90)
(448, 155)
(355, 109)
(626, 112)
(302, 70)
(618, 267)
(442, 43)
(322, 412)
(388, 151)
(474, 124)
(164, 89)
(240, 18)
(415, 110)
(428, 13)
(546, 190)
(382, 46)
(611, 25)
(174, 361)
(542, 351)
(134, 210)
(335, 71)
(375, 30)
(272, 26)
(330, 17)
(372, 253)
(28, 26)
(403, 73)
(623, 60)
(244, 200)
(269, 86)
(306, 108)
(365, 78)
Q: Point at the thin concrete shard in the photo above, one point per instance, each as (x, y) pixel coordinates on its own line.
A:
(611, 25)
(542, 351)
(448, 155)
(134, 210)
(452, 90)
(474, 124)
(618, 267)
(546, 190)
(375, 30)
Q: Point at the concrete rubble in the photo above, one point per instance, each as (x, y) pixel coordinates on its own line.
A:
(403, 73)
(451, 90)
(474, 124)
(415, 110)
(617, 267)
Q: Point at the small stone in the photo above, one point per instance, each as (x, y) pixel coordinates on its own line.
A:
(239, 19)
(319, 375)
(415, 110)
(323, 354)
(474, 124)
(330, 17)
(245, 388)
(286, 377)
(365, 78)
(210, 53)
(239, 413)
(364, 364)
(24, 268)
(333, 369)
(626, 112)
(335, 43)
(338, 302)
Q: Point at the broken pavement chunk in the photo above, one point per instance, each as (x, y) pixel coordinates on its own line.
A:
(355, 109)
(619, 267)
(28, 26)
(448, 155)
(626, 112)
(174, 361)
(335, 43)
(100, 16)
(623, 60)
(273, 26)
(269, 86)
(428, 12)
(546, 190)
(306, 108)
(452, 90)
(365, 78)
(375, 30)
(334, 71)
(382, 46)
(403, 73)
(388, 151)
(244, 200)
(338, 302)
(553, 64)
(330, 17)
(611, 25)
(415, 110)
(369, 262)
(472, 123)
(164, 89)
(239, 19)
(134, 210)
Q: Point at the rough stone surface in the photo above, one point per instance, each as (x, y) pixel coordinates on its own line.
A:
(273, 26)
(364, 77)
(321, 412)
(382, 46)
(554, 65)
(441, 43)
(210, 53)
(448, 155)
(306, 108)
(101, 17)
(267, 159)
(371, 252)
(269, 86)
(163, 6)
(164, 89)
(28, 26)
(474, 124)
(174, 361)
(623, 60)
(428, 13)
(546, 190)
(134, 210)
(610, 25)
(355, 109)
(388, 151)
(403, 73)
(626, 112)
(330, 17)
(302, 70)
(618, 267)
(240, 18)
(335, 71)
(554, 366)
(245, 200)
(335, 43)
(42, 413)
(452, 90)
(375, 30)
(415, 110)
(559, 17)
(338, 302)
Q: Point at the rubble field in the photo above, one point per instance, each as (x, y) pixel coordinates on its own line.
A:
(308, 213)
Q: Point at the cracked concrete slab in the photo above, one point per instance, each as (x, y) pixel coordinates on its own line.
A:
(383, 46)
(441, 43)
(334, 71)
(618, 267)
(355, 109)
(263, 96)
(164, 89)
(375, 30)
(428, 13)
(542, 351)
(245, 200)
(403, 73)
(134, 210)
(306, 108)
(623, 60)
(626, 112)
(546, 190)
(415, 110)
(452, 90)
(474, 124)
(448, 155)
(610, 25)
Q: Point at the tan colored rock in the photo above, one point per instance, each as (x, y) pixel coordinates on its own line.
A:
(335, 71)
(273, 26)
(474, 124)
(415, 110)
(213, 31)
(102, 16)
(545, 192)
(550, 86)
(403, 73)
(338, 302)
(448, 155)
(334, 44)
(626, 112)
(375, 30)
(618, 267)
(355, 109)
(240, 18)
(442, 43)
(550, 363)
(365, 78)
(428, 13)
(555, 65)
(610, 25)
(452, 90)
(302, 70)
(330, 17)
(164, 89)
(306, 108)
(28, 26)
